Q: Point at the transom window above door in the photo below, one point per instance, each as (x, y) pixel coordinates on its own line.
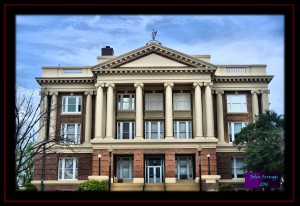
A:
(182, 101)
(126, 101)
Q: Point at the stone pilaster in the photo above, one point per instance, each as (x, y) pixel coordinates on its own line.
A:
(109, 105)
(139, 110)
(265, 100)
(169, 110)
(220, 116)
(88, 118)
(99, 111)
(255, 110)
(53, 110)
(198, 110)
(209, 110)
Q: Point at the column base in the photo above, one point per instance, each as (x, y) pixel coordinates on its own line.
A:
(170, 180)
(98, 177)
(199, 137)
(169, 137)
(138, 180)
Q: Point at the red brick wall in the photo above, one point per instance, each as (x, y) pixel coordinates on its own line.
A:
(60, 119)
(236, 117)
(51, 167)
(224, 163)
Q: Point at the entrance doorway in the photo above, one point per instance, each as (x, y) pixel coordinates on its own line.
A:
(184, 167)
(154, 169)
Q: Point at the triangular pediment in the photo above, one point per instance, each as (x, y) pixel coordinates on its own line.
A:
(154, 60)
(154, 55)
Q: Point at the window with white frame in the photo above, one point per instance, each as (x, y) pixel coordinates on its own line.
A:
(71, 104)
(70, 133)
(234, 128)
(181, 101)
(154, 130)
(125, 130)
(126, 101)
(182, 129)
(236, 103)
(67, 169)
(154, 101)
(125, 167)
(237, 167)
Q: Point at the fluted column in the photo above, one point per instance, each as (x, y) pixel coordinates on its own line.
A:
(169, 110)
(109, 106)
(198, 110)
(99, 111)
(43, 114)
(88, 118)
(220, 116)
(53, 110)
(209, 110)
(255, 110)
(139, 110)
(265, 100)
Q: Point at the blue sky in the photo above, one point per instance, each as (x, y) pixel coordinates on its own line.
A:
(76, 40)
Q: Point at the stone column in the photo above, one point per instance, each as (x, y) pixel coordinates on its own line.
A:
(53, 110)
(169, 110)
(109, 116)
(43, 113)
(88, 118)
(99, 112)
(220, 116)
(198, 110)
(209, 110)
(255, 110)
(265, 100)
(139, 111)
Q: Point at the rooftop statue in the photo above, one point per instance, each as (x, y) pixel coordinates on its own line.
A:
(153, 34)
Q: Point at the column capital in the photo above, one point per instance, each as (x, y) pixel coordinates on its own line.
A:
(53, 93)
(254, 91)
(265, 91)
(219, 91)
(138, 84)
(99, 85)
(90, 92)
(171, 84)
(195, 84)
(112, 85)
(208, 84)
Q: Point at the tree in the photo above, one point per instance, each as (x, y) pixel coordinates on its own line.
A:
(31, 116)
(263, 142)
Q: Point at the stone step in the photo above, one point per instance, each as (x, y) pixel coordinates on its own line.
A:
(182, 187)
(155, 187)
(127, 187)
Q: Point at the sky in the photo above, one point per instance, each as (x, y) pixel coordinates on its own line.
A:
(76, 40)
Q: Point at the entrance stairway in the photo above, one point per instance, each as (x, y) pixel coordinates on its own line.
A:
(181, 185)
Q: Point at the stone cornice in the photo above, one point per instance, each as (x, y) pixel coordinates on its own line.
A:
(157, 49)
(266, 78)
(55, 80)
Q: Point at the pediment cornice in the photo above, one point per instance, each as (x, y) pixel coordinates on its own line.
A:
(166, 52)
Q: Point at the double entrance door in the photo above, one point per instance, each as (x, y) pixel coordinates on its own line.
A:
(154, 167)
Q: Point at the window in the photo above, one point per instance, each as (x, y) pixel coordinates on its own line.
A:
(236, 103)
(182, 130)
(182, 101)
(70, 133)
(125, 101)
(183, 167)
(237, 167)
(71, 104)
(67, 169)
(234, 128)
(154, 101)
(154, 130)
(125, 130)
(125, 167)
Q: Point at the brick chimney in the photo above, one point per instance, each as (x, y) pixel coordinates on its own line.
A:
(107, 51)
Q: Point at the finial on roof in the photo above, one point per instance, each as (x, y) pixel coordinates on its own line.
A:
(154, 34)
(153, 41)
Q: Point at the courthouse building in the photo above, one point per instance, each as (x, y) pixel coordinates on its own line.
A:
(154, 117)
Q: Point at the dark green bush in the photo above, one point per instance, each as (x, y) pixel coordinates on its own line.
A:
(226, 187)
(93, 186)
(30, 187)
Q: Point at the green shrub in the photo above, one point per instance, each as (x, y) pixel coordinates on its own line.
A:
(93, 186)
(226, 187)
(30, 187)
